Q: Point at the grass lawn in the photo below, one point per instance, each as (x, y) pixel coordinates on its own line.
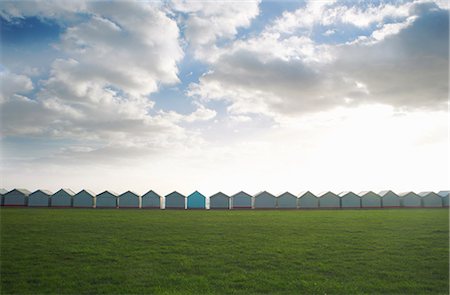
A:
(89, 251)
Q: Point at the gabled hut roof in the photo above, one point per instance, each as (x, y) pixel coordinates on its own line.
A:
(219, 194)
(67, 190)
(86, 191)
(444, 193)
(241, 192)
(21, 190)
(385, 192)
(131, 192)
(108, 192)
(154, 193)
(262, 192)
(47, 192)
(405, 193)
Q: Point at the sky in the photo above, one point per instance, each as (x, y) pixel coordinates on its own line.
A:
(225, 96)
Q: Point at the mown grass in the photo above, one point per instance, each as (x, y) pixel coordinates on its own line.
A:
(75, 251)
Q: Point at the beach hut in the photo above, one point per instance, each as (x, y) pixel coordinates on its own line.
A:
(350, 200)
(151, 200)
(62, 198)
(307, 200)
(329, 200)
(287, 201)
(39, 198)
(389, 199)
(107, 199)
(175, 200)
(84, 199)
(410, 199)
(265, 200)
(370, 199)
(16, 197)
(129, 199)
(219, 201)
(2, 193)
(444, 195)
(430, 199)
(196, 201)
(241, 200)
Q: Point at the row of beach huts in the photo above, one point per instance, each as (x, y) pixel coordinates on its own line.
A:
(241, 200)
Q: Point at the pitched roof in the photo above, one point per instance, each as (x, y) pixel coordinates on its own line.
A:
(287, 194)
(196, 193)
(444, 193)
(405, 193)
(240, 193)
(175, 193)
(303, 193)
(219, 194)
(131, 192)
(108, 192)
(3, 191)
(47, 192)
(152, 192)
(87, 191)
(21, 190)
(264, 192)
(68, 191)
(383, 193)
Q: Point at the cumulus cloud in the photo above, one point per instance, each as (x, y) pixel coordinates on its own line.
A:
(13, 84)
(405, 66)
(116, 56)
(206, 22)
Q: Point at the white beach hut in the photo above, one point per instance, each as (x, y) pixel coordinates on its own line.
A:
(241, 200)
(307, 200)
(350, 200)
(84, 199)
(39, 198)
(444, 195)
(106, 199)
(410, 199)
(129, 199)
(175, 200)
(370, 199)
(389, 199)
(62, 198)
(431, 199)
(287, 201)
(16, 197)
(219, 201)
(265, 200)
(329, 200)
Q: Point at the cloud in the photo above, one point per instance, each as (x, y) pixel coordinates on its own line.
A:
(13, 84)
(117, 55)
(206, 23)
(332, 13)
(404, 65)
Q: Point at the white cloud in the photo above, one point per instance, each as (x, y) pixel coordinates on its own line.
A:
(279, 74)
(117, 55)
(207, 22)
(12, 84)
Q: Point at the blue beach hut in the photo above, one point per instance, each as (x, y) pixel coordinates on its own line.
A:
(62, 198)
(16, 197)
(196, 201)
(175, 200)
(151, 200)
(241, 200)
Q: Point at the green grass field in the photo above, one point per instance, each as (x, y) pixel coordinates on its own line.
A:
(151, 251)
